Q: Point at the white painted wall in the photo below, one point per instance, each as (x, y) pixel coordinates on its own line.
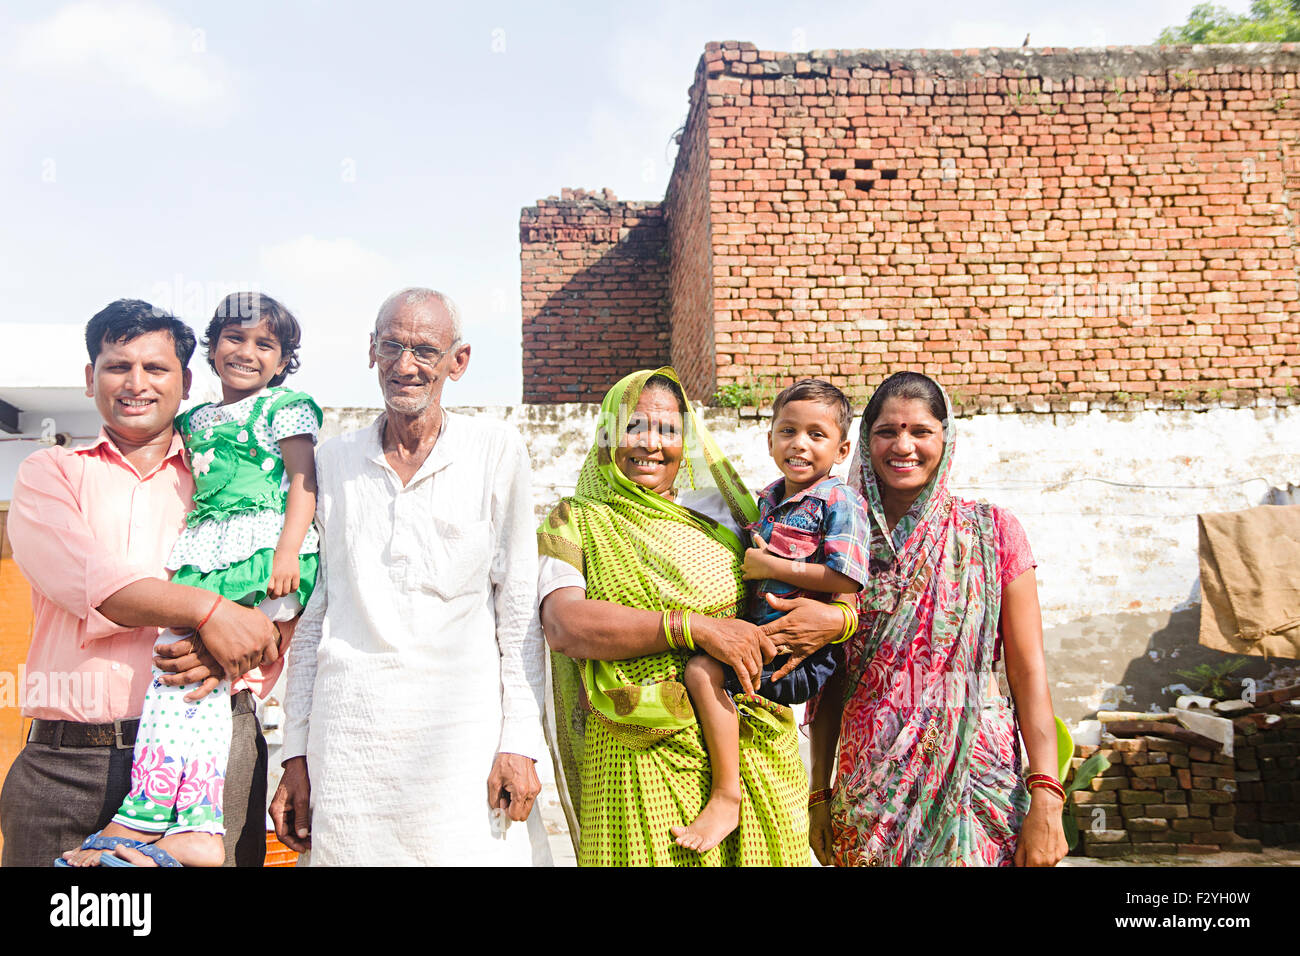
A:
(1108, 499)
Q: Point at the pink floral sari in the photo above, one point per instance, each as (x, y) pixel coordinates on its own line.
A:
(929, 762)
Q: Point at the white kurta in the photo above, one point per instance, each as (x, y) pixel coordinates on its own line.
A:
(413, 665)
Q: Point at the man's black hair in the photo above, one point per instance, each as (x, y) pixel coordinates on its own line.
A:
(126, 319)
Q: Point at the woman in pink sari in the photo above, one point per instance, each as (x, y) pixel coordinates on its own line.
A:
(929, 768)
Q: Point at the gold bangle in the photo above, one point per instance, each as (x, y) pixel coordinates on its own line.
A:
(818, 796)
(686, 630)
(850, 622)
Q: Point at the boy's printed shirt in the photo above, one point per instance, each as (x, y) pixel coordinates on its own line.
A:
(826, 524)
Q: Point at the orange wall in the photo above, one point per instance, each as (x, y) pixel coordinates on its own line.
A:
(15, 636)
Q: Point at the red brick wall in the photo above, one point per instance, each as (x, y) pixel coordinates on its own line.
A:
(1035, 227)
(690, 234)
(594, 282)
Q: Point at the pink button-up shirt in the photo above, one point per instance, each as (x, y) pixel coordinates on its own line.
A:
(84, 524)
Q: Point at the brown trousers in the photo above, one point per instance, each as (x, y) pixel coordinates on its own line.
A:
(55, 797)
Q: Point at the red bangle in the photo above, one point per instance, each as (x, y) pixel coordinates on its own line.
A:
(1049, 785)
(207, 617)
(819, 796)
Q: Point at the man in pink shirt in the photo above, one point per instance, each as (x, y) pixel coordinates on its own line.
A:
(91, 529)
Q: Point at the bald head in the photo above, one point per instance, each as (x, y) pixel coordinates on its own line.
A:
(418, 299)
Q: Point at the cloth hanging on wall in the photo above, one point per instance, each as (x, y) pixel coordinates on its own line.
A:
(1250, 581)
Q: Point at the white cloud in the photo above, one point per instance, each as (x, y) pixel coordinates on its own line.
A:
(126, 44)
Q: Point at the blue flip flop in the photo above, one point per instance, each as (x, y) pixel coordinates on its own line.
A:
(97, 842)
(155, 853)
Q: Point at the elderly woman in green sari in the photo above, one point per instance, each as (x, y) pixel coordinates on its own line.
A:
(653, 530)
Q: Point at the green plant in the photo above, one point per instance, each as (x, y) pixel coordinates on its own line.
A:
(1213, 678)
(1123, 398)
(1212, 394)
(751, 392)
(1179, 395)
(1094, 765)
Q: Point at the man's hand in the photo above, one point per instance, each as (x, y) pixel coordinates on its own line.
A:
(291, 806)
(756, 566)
(512, 785)
(742, 646)
(240, 638)
(285, 574)
(808, 626)
(187, 661)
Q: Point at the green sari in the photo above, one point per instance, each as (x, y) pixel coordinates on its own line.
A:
(629, 749)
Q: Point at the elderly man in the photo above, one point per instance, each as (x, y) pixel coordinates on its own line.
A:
(91, 529)
(413, 681)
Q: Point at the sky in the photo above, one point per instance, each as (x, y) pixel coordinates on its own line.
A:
(330, 153)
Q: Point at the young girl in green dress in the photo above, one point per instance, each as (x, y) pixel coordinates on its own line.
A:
(249, 539)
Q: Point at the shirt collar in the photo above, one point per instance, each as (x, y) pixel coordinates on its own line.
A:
(104, 446)
(772, 493)
(438, 459)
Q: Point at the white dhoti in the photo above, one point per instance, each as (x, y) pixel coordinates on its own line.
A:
(419, 661)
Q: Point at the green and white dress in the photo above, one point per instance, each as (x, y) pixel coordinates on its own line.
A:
(229, 540)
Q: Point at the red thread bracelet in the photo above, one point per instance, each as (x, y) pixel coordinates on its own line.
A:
(207, 617)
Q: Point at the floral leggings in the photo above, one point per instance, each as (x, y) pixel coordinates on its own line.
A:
(178, 770)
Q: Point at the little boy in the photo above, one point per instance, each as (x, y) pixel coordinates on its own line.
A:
(810, 540)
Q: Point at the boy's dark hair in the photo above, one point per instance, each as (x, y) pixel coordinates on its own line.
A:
(818, 390)
(126, 319)
(249, 309)
(907, 385)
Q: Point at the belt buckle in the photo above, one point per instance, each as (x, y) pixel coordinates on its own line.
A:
(117, 736)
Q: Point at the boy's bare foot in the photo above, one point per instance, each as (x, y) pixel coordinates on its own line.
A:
(91, 857)
(188, 849)
(719, 817)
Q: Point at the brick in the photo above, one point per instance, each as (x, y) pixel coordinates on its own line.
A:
(1146, 824)
(1138, 796)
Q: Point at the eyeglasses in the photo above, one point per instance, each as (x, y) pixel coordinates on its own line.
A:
(426, 355)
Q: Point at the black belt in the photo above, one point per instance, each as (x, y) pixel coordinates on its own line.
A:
(119, 734)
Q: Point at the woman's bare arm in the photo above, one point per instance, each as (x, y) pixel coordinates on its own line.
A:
(1022, 635)
(1042, 839)
(824, 739)
(604, 631)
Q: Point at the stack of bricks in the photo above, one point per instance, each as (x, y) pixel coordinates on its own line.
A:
(1268, 800)
(595, 273)
(1158, 796)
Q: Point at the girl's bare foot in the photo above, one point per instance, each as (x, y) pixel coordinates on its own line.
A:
(188, 849)
(91, 857)
(719, 817)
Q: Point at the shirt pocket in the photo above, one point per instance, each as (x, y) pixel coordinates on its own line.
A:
(454, 559)
(793, 543)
